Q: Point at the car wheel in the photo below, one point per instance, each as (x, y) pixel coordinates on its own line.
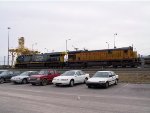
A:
(106, 85)
(71, 83)
(56, 85)
(15, 82)
(1, 80)
(44, 82)
(85, 80)
(116, 82)
(24, 81)
(33, 84)
(89, 86)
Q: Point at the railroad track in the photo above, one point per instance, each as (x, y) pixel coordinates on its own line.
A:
(89, 69)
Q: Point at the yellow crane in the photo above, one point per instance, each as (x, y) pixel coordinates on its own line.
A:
(21, 50)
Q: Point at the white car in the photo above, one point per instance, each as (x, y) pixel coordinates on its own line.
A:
(23, 77)
(103, 78)
(70, 78)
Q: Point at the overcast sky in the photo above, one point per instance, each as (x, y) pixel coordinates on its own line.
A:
(47, 25)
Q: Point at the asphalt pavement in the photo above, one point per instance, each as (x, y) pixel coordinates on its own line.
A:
(121, 98)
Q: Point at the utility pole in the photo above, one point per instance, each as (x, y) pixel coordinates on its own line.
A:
(108, 44)
(4, 60)
(66, 44)
(8, 46)
(114, 39)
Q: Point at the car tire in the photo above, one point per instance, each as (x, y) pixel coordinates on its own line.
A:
(89, 86)
(85, 80)
(33, 84)
(2, 80)
(24, 81)
(14, 82)
(116, 82)
(44, 82)
(106, 84)
(56, 85)
(71, 83)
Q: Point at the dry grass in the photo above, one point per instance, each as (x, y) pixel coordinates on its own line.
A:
(134, 77)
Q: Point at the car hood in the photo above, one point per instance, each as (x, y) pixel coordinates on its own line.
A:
(2, 74)
(97, 79)
(64, 77)
(15, 77)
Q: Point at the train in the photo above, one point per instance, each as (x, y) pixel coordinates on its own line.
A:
(116, 57)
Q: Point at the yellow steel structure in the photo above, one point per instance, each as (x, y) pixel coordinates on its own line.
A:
(21, 50)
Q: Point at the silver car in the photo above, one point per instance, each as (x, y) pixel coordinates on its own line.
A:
(23, 77)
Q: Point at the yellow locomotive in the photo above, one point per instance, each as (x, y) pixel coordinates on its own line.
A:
(108, 57)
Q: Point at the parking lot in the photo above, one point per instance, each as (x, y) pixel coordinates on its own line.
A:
(123, 98)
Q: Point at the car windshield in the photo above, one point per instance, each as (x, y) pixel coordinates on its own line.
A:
(101, 74)
(17, 72)
(43, 72)
(26, 73)
(1, 72)
(4, 73)
(69, 73)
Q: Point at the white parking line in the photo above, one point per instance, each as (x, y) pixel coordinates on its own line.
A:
(126, 85)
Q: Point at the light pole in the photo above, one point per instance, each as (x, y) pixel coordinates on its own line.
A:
(33, 45)
(114, 39)
(8, 46)
(46, 50)
(4, 60)
(107, 44)
(66, 44)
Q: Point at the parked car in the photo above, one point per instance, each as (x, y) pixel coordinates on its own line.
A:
(71, 77)
(23, 77)
(43, 77)
(5, 75)
(103, 78)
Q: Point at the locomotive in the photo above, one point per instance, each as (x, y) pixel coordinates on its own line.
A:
(117, 57)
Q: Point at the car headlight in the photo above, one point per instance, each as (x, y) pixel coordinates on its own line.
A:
(17, 78)
(102, 81)
(38, 78)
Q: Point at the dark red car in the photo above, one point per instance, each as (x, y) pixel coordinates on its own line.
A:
(44, 77)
